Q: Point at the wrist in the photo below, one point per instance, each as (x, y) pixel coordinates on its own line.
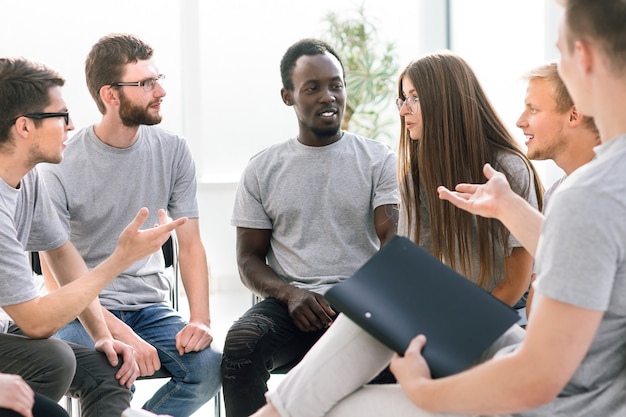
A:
(286, 293)
(200, 320)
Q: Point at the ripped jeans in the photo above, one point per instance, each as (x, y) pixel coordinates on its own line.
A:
(262, 340)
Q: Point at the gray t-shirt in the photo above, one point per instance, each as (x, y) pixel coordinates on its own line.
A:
(319, 203)
(548, 194)
(98, 190)
(28, 222)
(581, 260)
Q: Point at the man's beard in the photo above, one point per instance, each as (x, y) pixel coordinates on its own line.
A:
(550, 151)
(326, 133)
(132, 115)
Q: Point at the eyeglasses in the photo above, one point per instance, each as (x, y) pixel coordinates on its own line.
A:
(412, 104)
(147, 84)
(39, 116)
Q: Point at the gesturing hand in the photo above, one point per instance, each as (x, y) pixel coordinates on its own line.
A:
(136, 244)
(481, 199)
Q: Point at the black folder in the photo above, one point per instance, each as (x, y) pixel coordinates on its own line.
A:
(403, 291)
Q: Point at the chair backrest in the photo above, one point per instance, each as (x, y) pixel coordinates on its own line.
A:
(168, 251)
(35, 263)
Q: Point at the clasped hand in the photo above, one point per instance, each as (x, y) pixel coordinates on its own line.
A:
(309, 311)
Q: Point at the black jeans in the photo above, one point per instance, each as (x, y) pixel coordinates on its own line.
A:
(262, 340)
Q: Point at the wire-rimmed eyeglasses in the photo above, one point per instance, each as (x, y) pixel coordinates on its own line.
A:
(412, 103)
(39, 116)
(147, 84)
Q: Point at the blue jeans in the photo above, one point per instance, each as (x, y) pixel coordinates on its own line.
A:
(195, 375)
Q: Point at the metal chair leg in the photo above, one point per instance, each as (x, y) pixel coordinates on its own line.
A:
(218, 403)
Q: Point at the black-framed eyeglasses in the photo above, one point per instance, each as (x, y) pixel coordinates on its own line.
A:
(39, 116)
(147, 84)
(412, 103)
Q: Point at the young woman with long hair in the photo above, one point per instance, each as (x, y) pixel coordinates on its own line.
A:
(449, 130)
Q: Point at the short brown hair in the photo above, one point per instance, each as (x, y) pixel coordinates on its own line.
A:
(106, 60)
(601, 22)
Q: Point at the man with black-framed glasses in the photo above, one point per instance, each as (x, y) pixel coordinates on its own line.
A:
(45, 115)
(121, 163)
(34, 124)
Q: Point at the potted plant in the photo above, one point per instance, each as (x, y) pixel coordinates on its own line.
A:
(371, 71)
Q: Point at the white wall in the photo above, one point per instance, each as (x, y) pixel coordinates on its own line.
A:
(222, 59)
(502, 40)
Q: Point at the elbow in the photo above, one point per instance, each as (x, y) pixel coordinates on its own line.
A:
(38, 330)
(540, 394)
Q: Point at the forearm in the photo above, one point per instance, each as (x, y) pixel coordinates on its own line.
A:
(523, 221)
(195, 277)
(257, 276)
(93, 321)
(253, 245)
(488, 389)
(44, 316)
(85, 290)
(69, 267)
(119, 330)
(555, 344)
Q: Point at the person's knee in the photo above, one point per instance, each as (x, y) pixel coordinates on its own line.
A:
(202, 365)
(93, 372)
(57, 371)
(242, 340)
(64, 358)
(204, 372)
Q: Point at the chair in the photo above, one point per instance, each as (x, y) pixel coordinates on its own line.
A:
(170, 253)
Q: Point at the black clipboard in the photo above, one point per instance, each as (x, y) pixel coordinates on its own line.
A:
(403, 291)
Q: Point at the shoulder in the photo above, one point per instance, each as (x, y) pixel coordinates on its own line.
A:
(365, 148)
(512, 162)
(274, 152)
(163, 137)
(367, 143)
(516, 167)
(79, 148)
(31, 180)
(77, 141)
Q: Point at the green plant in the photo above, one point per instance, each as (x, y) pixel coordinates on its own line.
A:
(371, 71)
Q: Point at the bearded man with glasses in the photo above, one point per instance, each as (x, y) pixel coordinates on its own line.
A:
(111, 169)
